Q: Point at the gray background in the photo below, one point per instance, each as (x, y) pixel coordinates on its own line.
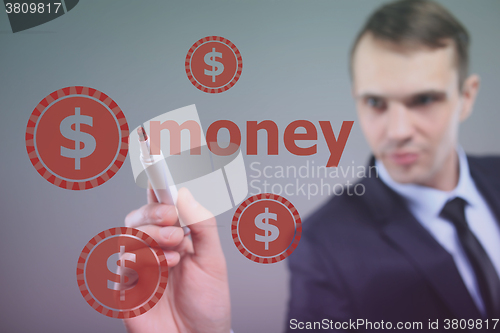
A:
(294, 67)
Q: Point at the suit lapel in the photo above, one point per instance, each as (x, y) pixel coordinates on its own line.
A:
(488, 186)
(400, 228)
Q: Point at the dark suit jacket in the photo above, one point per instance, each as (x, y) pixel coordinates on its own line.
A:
(367, 257)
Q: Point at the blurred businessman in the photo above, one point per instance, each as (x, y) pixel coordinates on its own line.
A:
(422, 243)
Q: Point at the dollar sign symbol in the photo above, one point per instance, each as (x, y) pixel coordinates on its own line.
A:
(262, 222)
(210, 61)
(122, 271)
(77, 136)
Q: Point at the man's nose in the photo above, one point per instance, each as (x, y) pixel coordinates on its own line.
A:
(400, 126)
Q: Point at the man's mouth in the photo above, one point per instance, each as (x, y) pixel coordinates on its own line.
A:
(403, 158)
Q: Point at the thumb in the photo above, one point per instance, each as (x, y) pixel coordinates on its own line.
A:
(203, 226)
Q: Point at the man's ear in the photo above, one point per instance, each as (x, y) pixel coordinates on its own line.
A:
(469, 93)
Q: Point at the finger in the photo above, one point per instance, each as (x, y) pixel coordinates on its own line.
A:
(172, 257)
(151, 194)
(148, 263)
(203, 226)
(168, 238)
(153, 213)
(184, 247)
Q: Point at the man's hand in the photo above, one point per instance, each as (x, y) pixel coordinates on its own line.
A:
(197, 295)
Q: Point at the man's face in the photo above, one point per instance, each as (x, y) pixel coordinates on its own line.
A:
(409, 106)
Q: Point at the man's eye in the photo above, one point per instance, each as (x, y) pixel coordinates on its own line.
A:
(376, 103)
(423, 100)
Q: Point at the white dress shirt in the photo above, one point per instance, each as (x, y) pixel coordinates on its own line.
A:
(426, 204)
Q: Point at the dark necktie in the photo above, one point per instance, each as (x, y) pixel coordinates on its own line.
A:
(486, 276)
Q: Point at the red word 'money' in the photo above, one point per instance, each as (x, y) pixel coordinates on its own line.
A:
(335, 145)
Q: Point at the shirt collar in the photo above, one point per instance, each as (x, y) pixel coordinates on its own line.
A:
(430, 199)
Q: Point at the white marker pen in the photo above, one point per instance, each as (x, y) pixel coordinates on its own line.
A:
(158, 173)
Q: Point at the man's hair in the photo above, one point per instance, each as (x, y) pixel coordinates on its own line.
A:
(419, 22)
